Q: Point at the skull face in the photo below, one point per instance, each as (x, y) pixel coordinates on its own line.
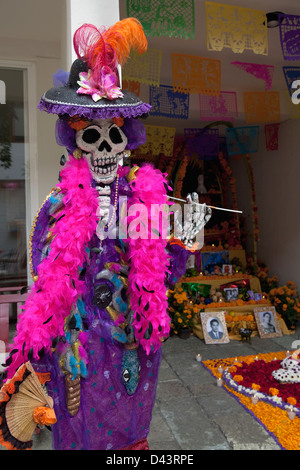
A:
(102, 143)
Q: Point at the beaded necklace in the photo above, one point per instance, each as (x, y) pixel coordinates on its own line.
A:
(115, 204)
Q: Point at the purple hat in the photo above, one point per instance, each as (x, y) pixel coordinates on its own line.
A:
(92, 91)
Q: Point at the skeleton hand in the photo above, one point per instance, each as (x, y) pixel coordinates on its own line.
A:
(195, 217)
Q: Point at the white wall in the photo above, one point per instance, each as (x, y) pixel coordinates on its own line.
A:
(277, 175)
(99, 13)
(41, 32)
(31, 32)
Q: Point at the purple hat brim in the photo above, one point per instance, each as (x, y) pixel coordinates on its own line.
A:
(65, 100)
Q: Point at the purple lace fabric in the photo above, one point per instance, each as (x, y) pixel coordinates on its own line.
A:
(108, 418)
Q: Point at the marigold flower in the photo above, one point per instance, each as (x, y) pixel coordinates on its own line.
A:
(255, 386)
(291, 401)
(273, 391)
(238, 378)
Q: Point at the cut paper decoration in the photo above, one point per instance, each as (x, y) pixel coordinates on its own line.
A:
(130, 85)
(263, 72)
(160, 140)
(262, 106)
(204, 142)
(168, 103)
(191, 74)
(289, 30)
(164, 18)
(235, 27)
(271, 136)
(144, 68)
(222, 107)
(291, 74)
(242, 140)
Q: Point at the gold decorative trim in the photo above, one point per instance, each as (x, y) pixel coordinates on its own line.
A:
(33, 275)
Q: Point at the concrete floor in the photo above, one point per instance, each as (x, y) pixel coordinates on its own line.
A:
(191, 412)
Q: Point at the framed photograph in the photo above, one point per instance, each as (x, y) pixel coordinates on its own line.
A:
(214, 327)
(267, 322)
(227, 269)
(257, 296)
(231, 293)
(209, 259)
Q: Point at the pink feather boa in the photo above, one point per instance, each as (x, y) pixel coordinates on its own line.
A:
(149, 260)
(58, 287)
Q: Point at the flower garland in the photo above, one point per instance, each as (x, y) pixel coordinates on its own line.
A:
(180, 176)
(232, 182)
(254, 205)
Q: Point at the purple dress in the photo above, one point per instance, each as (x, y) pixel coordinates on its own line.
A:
(109, 416)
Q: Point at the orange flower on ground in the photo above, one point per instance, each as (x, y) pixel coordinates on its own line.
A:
(273, 391)
(291, 401)
(255, 386)
(238, 378)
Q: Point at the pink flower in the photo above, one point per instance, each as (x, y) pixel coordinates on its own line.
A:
(105, 89)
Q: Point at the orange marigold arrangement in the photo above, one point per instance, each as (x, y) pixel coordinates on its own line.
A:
(272, 414)
(181, 310)
(287, 302)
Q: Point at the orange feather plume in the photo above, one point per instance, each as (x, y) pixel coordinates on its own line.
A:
(123, 36)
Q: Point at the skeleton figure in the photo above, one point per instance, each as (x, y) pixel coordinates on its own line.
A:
(100, 315)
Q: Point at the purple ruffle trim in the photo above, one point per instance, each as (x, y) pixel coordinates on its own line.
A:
(97, 112)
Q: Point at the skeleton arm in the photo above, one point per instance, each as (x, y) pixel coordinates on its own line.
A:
(195, 217)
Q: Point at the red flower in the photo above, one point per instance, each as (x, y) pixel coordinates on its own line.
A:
(260, 373)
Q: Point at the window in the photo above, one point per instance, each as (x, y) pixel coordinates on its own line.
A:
(14, 177)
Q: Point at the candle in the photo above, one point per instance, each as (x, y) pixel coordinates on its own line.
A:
(220, 369)
(256, 358)
(287, 353)
(291, 413)
(219, 382)
(198, 358)
(254, 399)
